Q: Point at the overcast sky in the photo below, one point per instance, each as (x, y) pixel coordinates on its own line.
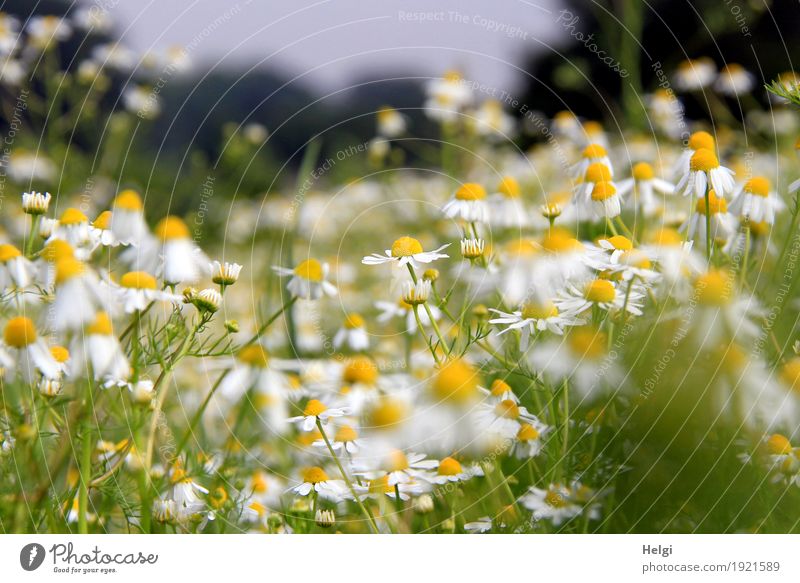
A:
(332, 42)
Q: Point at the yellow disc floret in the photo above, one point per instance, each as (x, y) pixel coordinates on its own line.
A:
(507, 409)
(701, 141)
(597, 172)
(314, 475)
(138, 280)
(758, 185)
(254, 355)
(360, 369)
(714, 288)
(8, 252)
(456, 381)
(19, 332)
(539, 310)
(353, 321)
(449, 467)
(588, 342)
(642, 171)
(527, 432)
(310, 269)
(471, 191)
(703, 160)
(101, 325)
(600, 291)
(128, 200)
(778, 444)
(73, 216)
(171, 228)
(509, 187)
(406, 247)
(314, 408)
(60, 353)
(386, 413)
(103, 221)
(715, 204)
(594, 151)
(68, 268)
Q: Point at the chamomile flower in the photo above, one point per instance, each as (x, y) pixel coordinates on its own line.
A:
(532, 317)
(447, 97)
(127, 218)
(723, 224)
(391, 123)
(403, 310)
(35, 203)
(604, 201)
(308, 280)
(451, 470)
(399, 467)
(733, 80)
(16, 271)
(582, 357)
(592, 154)
(45, 31)
(79, 295)
(559, 504)
(406, 250)
(722, 314)
(756, 201)
(100, 231)
(314, 479)
(695, 74)
(697, 141)
(352, 334)
(503, 419)
(315, 411)
(225, 274)
(529, 440)
(641, 190)
(705, 172)
(344, 440)
(73, 227)
(99, 351)
(490, 120)
(468, 204)
(603, 294)
(186, 494)
(596, 173)
(138, 289)
(31, 357)
(506, 209)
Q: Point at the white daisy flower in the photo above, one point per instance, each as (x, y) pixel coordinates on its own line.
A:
(468, 204)
(127, 218)
(592, 154)
(756, 201)
(532, 317)
(138, 289)
(643, 187)
(723, 224)
(352, 334)
(35, 203)
(695, 74)
(79, 295)
(391, 123)
(315, 411)
(733, 80)
(451, 470)
(529, 440)
(403, 310)
(314, 479)
(16, 271)
(705, 172)
(406, 250)
(697, 141)
(344, 440)
(98, 350)
(308, 280)
(506, 209)
(30, 355)
(602, 293)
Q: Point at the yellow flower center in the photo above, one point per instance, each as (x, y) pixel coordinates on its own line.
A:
(560, 241)
(703, 160)
(67, 268)
(310, 269)
(714, 288)
(8, 252)
(397, 461)
(642, 171)
(314, 408)
(128, 200)
(527, 432)
(449, 467)
(701, 141)
(452, 76)
(170, 228)
(597, 172)
(603, 191)
(471, 191)
(554, 499)
(387, 413)
(620, 243)
(360, 369)
(790, 373)
(254, 355)
(380, 485)
(667, 237)
(103, 221)
(499, 388)
(345, 433)
(406, 247)
(353, 321)
(600, 291)
(759, 229)
(73, 216)
(56, 250)
(507, 409)
(60, 353)
(757, 185)
(259, 483)
(509, 187)
(539, 311)
(778, 444)
(138, 280)
(19, 332)
(588, 342)
(715, 204)
(314, 475)
(456, 381)
(101, 325)
(594, 151)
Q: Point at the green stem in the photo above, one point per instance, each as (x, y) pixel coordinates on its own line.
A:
(85, 464)
(350, 486)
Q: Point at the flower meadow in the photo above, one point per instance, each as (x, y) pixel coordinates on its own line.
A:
(595, 334)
